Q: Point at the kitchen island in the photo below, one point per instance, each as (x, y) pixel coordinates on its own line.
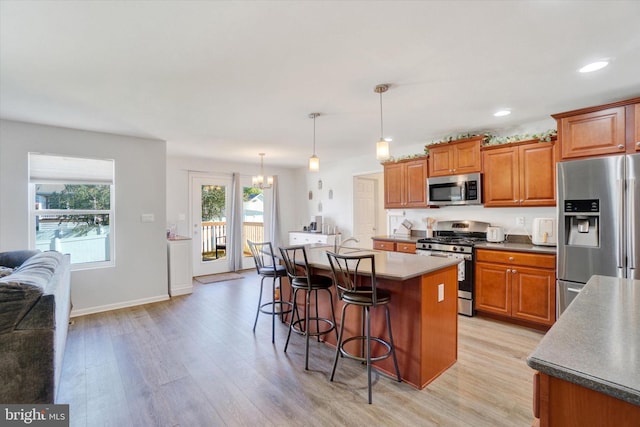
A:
(423, 310)
(589, 362)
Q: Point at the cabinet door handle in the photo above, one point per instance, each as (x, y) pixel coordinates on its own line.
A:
(510, 258)
(638, 144)
(514, 271)
(621, 146)
(508, 270)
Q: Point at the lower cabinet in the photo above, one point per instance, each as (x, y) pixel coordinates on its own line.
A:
(394, 246)
(180, 267)
(302, 238)
(557, 402)
(518, 285)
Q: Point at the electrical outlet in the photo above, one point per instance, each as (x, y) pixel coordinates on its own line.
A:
(520, 220)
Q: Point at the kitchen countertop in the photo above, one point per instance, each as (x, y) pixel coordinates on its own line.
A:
(505, 246)
(517, 247)
(398, 238)
(596, 341)
(389, 265)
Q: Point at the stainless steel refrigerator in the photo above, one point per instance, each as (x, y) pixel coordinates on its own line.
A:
(598, 224)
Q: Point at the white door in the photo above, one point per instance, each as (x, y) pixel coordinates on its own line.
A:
(210, 203)
(364, 210)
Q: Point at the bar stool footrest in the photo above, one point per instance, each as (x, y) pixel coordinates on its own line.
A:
(363, 338)
(272, 307)
(295, 326)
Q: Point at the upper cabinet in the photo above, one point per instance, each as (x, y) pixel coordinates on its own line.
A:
(405, 184)
(455, 158)
(597, 131)
(521, 174)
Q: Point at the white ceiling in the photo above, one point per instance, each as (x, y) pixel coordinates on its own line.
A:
(230, 79)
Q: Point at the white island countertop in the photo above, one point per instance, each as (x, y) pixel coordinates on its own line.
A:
(389, 265)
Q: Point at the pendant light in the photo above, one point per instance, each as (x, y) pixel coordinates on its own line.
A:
(382, 146)
(258, 181)
(314, 161)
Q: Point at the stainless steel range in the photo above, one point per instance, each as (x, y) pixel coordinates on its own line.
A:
(456, 239)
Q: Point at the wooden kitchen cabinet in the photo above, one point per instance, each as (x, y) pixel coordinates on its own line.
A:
(405, 184)
(558, 402)
(599, 130)
(392, 246)
(522, 174)
(455, 158)
(384, 245)
(517, 285)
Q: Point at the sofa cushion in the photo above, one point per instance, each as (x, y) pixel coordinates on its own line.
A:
(5, 271)
(20, 290)
(13, 259)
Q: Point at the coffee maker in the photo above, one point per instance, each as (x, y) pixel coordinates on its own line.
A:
(316, 224)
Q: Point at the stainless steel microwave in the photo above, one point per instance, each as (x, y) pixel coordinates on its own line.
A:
(455, 190)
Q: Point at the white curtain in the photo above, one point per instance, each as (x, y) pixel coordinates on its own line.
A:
(234, 247)
(274, 228)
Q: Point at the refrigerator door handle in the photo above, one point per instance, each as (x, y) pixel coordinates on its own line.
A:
(619, 223)
(632, 224)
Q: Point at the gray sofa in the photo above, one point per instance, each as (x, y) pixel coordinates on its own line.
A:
(35, 301)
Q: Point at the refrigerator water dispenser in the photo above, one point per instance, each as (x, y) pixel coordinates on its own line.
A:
(582, 218)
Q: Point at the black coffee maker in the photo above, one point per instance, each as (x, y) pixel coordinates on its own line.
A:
(316, 224)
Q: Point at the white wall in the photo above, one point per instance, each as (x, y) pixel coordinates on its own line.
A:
(140, 271)
(339, 177)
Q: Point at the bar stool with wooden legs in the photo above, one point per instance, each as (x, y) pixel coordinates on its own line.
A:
(301, 279)
(355, 279)
(266, 266)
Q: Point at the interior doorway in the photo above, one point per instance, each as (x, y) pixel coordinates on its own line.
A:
(369, 217)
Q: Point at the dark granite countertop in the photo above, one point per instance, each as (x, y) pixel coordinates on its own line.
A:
(518, 247)
(399, 238)
(596, 341)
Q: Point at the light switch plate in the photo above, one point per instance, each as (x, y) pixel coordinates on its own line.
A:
(147, 217)
(441, 292)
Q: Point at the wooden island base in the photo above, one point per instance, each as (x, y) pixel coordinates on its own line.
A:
(425, 330)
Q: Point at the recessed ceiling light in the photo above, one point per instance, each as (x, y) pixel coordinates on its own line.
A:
(594, 66)
(501, 113)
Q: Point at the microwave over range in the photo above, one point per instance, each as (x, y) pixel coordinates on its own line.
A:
(455, 190)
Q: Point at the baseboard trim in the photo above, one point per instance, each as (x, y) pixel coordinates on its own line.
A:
(116, 306)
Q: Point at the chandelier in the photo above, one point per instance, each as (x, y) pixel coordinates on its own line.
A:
(260, 181)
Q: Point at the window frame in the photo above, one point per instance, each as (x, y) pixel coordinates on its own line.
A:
(34, 211)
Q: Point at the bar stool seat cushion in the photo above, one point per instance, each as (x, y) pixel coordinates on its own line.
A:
(274, 270)
(383, 296)
(317, 282)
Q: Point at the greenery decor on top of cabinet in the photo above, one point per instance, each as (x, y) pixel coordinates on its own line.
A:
(601, 130)
(456, 158)
(405, 184)
(520, 174)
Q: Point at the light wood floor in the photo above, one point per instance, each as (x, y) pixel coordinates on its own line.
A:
(194, 361)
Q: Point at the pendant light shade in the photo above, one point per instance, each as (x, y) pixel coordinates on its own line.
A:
(314, 161)
(382, 146)
(261, 181)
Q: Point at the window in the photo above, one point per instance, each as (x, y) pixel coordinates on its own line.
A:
(72, 209)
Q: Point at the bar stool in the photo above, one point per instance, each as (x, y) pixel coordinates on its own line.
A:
(358, 287)
(301, 279)
(266, 266)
